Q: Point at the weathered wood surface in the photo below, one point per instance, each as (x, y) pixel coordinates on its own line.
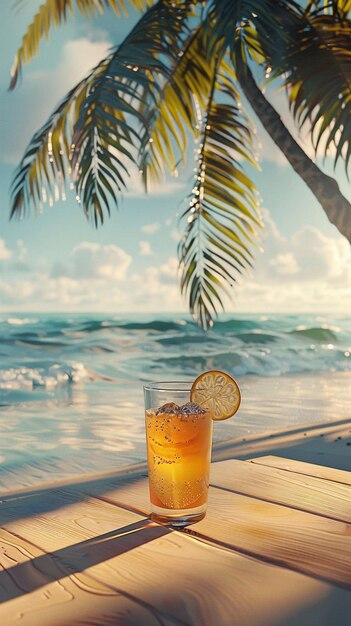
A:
(71, 559)
(306, 542)
(298, 491)
(135, 568)
(307, 469)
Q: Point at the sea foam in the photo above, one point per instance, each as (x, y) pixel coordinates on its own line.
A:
(27, 378)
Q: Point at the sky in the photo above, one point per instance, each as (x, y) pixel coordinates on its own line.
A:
(54, 261)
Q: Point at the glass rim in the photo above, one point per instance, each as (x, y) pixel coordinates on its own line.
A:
(169, 385)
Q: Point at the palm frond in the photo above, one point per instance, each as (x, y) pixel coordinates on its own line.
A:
(222, 216)
(177, 109)
(225, 20)
(96, 130)
(317, 74)
(112, 118)
(45, 162)
(52, 13)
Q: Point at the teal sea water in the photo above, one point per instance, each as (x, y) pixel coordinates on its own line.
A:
(71, 385)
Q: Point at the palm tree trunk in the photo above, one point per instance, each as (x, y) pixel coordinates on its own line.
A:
(324, 187)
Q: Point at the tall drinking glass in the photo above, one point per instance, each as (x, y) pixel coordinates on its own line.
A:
(179, 454)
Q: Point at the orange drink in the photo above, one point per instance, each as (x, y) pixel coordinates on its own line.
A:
(179, 417)
(179, 439)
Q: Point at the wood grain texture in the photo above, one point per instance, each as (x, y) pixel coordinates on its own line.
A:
(36, 590)
(304, 541)
(299, 491)
(308, 543)
(90, 563)
(307, 469)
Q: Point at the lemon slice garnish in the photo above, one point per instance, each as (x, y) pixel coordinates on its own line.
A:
(218, 393)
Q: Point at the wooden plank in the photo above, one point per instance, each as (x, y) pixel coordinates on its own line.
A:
(114, 569)
(36, 589)
(53, 581)
(308, 469)
(276, 485)
(306, 542)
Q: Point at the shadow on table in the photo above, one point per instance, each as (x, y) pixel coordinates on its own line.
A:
(182, 591)
(41, 570)
(310, 444)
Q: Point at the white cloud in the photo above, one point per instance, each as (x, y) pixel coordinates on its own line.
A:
(157, 289)
(92, 260)
(164, 188)
(170, 268)
(284, 264)
(94, 277)
(145, 248)
(150, 229)
(167, 187)
(79, 56)
(305, 272)
(5, 252)
(321, 256)
(308, 255)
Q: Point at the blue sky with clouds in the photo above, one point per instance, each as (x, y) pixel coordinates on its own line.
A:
(56, 261)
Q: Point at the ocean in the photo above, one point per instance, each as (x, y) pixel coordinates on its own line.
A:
(71, 385)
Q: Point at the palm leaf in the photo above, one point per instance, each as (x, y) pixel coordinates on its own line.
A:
(112, 118)
(222, 216)
(104, 113)
(316, 69)
(177, 109)
(44, 161)
(225, 20)
(54, 13)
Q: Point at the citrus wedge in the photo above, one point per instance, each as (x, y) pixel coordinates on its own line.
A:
(217, 392)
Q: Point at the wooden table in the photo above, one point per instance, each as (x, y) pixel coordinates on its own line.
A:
(273, 550)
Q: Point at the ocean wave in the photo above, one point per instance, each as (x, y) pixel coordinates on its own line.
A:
(316, 333)
(182, 340)
(39, 342)
(199, 362)
(158, 325)
(257, 337)
(257, 361)
(96, 325)
(52, 376)
(235, 325)
(171, 346)
(106, 325)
